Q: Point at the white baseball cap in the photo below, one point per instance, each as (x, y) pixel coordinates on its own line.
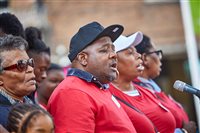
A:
(124, 42)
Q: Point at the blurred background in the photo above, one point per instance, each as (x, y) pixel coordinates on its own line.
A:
(59, 20)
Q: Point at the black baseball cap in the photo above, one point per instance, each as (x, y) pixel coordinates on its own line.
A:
(88, 34)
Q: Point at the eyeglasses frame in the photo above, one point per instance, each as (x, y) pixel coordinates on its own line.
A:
(157, 52)
(15, 66)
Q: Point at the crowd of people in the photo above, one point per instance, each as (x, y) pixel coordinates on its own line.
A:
(108, 88)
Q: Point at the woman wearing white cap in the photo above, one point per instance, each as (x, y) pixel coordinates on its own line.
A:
(147, 114)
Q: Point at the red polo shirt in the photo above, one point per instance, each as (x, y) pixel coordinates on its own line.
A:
(79, 106)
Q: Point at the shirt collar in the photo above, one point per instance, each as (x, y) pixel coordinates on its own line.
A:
(87, 77)
(144, 79)
(150, 82)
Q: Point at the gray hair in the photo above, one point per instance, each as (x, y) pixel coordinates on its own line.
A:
(10, 42)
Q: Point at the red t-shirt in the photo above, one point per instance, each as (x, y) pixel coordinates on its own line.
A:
(78, 106)
(146, 102)
(177, 111)
(140, 121)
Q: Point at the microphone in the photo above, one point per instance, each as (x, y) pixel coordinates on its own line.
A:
(181, 86)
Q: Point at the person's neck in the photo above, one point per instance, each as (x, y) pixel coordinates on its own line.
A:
(123, 85)
(18, 98)
(144, 75)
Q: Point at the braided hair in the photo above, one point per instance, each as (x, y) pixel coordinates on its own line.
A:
(20, 116)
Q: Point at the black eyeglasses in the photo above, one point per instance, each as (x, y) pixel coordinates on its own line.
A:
(159, 53)
(21, 65)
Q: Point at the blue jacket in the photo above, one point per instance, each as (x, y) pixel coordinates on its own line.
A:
(5, 106)
(6, 102)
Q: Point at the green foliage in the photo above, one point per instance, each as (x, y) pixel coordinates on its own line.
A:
(195, 10)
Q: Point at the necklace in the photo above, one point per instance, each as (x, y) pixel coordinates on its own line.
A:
(131, 92)
(130, 88)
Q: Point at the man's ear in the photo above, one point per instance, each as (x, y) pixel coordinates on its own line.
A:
(82, 58)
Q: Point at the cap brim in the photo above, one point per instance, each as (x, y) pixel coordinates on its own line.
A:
(113, 31)
(124, 42)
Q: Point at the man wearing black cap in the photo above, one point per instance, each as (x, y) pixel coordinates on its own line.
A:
(82, 102)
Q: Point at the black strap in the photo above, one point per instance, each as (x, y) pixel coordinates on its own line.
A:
(136, 109)
(128, 104)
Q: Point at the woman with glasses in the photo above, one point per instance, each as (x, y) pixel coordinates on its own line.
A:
(152, 67)
(133, 98)
(17, 77)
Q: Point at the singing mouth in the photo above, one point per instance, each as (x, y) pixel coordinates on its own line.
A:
(114, 66)
(32, 80)
(140, 67)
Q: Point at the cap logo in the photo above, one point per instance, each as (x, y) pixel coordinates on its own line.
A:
(116, 29)
(88, 34)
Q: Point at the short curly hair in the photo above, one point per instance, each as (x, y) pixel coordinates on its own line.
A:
(10, 24)
(10, 42)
